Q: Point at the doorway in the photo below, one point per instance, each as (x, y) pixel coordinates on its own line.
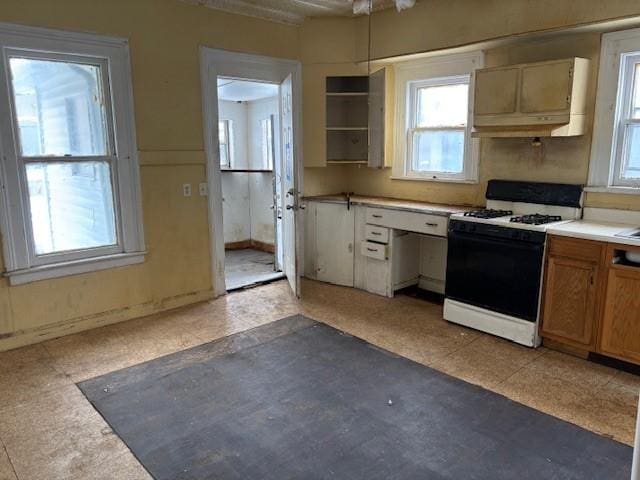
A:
(267, 239)
(250, 166)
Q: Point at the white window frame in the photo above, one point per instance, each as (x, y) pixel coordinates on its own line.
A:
(613, 99)
(267, 163)
(227, 126)
(433, 71)
(21, 262)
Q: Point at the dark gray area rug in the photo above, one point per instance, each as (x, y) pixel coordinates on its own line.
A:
(299, 399)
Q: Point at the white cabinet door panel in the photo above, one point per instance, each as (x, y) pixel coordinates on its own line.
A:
(334, 243)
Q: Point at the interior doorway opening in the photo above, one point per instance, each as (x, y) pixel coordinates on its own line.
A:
(250, 166)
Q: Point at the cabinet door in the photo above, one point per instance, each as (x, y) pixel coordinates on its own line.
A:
(546, 87)
(376, 119)
(496, 91)
(569, 310)
(334, 243)
(620, 332)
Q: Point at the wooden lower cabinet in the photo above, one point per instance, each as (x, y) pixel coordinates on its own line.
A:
(591, 298)
(620, 332)
(572, 280)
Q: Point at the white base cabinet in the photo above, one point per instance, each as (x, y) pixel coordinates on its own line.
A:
(367, 248)
(329, 243)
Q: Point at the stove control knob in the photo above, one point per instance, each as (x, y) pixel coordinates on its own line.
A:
(515, 234)
(526, 236)
(472, 228)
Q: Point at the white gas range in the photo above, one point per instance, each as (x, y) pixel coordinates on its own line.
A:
(495, 257)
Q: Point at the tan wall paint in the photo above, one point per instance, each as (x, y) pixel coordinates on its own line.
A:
(164, 38)
(438, 24)
(559, 159)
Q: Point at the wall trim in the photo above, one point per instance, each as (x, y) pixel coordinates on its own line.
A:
(22, 338)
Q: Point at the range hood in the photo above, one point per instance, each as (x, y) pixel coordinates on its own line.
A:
(542, 99)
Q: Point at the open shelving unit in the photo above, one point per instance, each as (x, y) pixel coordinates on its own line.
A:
(347, 125)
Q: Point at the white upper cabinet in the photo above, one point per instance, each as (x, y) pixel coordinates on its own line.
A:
(355, 116)
(543, 99)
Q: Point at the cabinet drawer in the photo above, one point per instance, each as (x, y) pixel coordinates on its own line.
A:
(373, 250)
(374, 233)
(575, 248)
(409, 221)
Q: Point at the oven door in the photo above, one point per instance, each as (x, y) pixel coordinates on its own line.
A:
(499, 274)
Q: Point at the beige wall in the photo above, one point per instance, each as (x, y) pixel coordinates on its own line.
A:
(164, 39)
(438, 24)
(558, 160)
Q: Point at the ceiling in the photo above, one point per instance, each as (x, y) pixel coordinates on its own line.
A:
(288, 11)
(244, 91)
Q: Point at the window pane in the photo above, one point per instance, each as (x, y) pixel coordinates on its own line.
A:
(59, 107)
(631, 164)
(635, 102)
(438, 151)
(443, 106)
(267, 143)
(71, 206)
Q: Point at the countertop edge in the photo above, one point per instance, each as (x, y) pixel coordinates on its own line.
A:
(444, 212)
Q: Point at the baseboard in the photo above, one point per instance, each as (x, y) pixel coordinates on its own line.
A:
(431, 284)
(237, 245)
(23, 338)
(255, 244)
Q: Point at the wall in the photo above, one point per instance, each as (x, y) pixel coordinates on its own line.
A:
(164, 38)
(559, 159)
(440, 24)
(236, 205)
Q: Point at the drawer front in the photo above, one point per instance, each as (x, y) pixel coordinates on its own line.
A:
(373, 250)
(410, 221)
(374, 233)
(575, 248)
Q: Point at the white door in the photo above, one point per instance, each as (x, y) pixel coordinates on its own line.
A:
(289, 187)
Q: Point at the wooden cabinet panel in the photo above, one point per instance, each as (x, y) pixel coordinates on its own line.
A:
(546, 87)
(620, 332)
(496, 91)
(575, 248)
(570, 300)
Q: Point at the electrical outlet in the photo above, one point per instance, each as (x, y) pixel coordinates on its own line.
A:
(203, 189)
(186, 189)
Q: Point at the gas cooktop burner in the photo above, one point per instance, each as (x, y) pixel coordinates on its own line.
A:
(488, 213)
(536, 219)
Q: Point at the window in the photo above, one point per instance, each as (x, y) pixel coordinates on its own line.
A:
(225, 141)
(433, 102)
(267, 145)
(71, 173)
(615, 152)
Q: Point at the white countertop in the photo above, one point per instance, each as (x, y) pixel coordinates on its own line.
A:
(595, 230)
(392, 203)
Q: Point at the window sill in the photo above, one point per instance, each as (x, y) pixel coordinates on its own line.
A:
(618, 190)
(443, 180)
(20, 277)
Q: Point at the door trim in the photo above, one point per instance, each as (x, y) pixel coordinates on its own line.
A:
(214, 63)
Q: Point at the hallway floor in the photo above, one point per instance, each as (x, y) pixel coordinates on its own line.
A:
(245, 267)
(49, 430)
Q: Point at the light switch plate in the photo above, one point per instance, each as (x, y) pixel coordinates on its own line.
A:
(186, 189)
(203, 189)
